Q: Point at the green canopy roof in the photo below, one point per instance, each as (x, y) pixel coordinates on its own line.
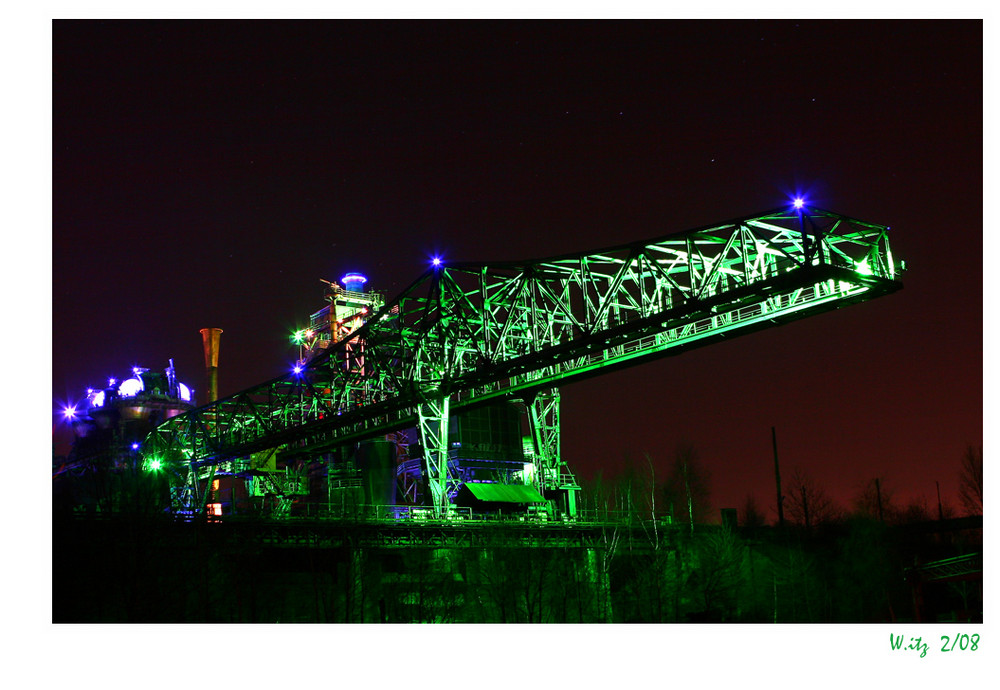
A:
(504, 493)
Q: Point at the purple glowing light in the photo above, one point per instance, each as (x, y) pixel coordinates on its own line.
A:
(798, 202)
(297, 369)
(69, 412)
(354, 282)
(436, 261)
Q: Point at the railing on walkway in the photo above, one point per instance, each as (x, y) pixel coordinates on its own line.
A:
(456, 515)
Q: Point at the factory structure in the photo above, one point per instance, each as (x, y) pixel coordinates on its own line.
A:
(383, 476)
(488, 455)
(443, 402)
(105, 470)
(418, 439)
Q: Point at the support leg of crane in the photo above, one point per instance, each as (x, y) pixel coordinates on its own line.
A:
(433, 422)
(192, 492)
(203, 494)
(552, 473)
(543, 414)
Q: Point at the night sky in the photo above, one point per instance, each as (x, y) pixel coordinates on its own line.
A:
(209, 174)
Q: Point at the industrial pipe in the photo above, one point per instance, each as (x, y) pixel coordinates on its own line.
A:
(210, 341)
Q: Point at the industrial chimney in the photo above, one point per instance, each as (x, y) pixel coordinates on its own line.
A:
(210, 340)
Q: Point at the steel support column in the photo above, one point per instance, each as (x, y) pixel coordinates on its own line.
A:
(432, 423)
(552, 472)
(543, 415)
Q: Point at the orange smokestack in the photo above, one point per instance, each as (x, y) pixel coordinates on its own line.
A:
(210, 340)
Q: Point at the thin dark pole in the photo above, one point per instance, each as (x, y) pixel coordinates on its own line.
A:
(777, 478)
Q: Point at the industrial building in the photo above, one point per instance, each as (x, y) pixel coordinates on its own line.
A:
(106, 470)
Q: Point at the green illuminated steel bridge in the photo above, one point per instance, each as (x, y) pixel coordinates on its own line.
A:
(466, 334)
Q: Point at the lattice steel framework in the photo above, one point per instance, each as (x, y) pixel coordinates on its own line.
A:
(950, 569)
(468, 333)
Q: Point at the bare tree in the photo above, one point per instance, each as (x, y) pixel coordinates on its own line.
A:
(652, 502)
(720, 571)
(629, 490)
(876, 501)
(686, 491)
(915, 511)
(807, 503)
(596, 495)
(796, 589)
(971, 481)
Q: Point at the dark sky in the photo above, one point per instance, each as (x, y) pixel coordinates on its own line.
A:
(210, 173)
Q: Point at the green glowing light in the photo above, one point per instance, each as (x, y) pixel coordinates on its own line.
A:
(580, 313)
(154, 464)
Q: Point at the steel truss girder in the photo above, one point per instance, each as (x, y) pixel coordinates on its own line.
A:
(475, 332)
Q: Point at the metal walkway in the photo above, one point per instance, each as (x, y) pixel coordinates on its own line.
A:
(468, 333)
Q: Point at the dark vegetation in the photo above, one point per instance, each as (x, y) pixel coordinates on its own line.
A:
(648, 556)
(138, 570)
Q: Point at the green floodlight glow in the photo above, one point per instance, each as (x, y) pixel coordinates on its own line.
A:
(154, 464)
(583, 313)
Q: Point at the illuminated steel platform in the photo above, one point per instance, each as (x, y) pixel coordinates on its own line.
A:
(468, 334)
